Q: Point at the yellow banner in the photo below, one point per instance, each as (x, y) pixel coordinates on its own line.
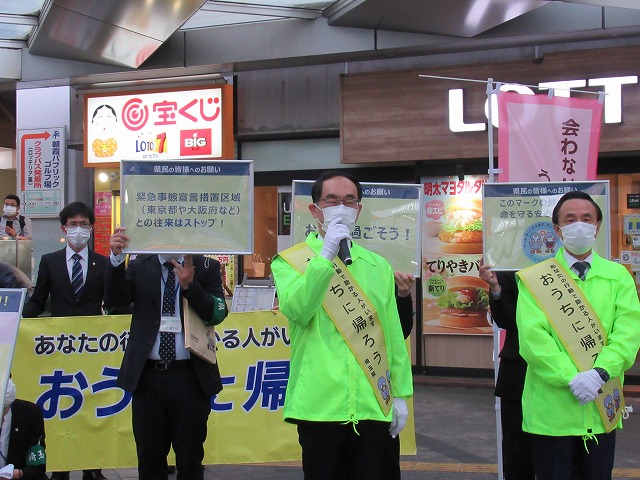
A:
(69, 366)
(578, 327)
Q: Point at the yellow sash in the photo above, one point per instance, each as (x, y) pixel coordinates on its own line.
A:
(577, 325)
(355, 317)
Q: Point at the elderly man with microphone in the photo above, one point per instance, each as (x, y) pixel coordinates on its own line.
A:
(350, 373)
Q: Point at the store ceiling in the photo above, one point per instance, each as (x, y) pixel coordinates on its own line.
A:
(116, 37)
(127, 32)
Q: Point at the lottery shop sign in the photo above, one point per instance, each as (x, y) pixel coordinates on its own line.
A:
(189, 123)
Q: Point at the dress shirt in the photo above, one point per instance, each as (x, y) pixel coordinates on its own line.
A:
(84, 262)
(4, 438)
(571, 260)
(181, 352)
(21, 232)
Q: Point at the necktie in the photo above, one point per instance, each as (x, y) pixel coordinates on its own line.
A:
(168, 339)
(581, 268)
(77, 278)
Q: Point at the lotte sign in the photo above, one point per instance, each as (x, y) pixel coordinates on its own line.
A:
(611, 86)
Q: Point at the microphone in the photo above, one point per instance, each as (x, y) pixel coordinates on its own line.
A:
(344, 253)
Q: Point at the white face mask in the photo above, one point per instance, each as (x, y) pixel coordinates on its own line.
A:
(347, 216)
(9, 210)
(579, 237)
(78, 236)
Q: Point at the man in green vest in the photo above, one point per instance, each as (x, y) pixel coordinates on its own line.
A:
(579, 325)
(350, 373)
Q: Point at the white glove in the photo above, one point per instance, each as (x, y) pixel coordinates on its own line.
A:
(7, 471)
(332, 237)
(585, 386)
(398, 416)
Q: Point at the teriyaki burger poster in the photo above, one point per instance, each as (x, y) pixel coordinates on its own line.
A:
(455, 300)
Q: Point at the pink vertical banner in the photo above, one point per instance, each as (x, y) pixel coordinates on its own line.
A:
(542, 139)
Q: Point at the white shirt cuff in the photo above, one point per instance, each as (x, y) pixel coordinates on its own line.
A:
(117, 260)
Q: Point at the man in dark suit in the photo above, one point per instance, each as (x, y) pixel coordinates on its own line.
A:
(171, 388)
(517, 448)
(74, 279)
(25, 449)
(55, 274)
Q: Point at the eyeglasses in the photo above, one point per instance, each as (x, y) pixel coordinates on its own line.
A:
(347, 201)
(85, 225)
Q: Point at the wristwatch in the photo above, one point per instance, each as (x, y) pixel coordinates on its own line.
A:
(604, 375)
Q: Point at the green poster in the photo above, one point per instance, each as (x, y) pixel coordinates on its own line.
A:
(518, 231)
(389, 222)
(188, 207)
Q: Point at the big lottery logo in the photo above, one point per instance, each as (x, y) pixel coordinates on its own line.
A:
(195, 142)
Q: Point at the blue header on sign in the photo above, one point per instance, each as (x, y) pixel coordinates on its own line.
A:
(541, 189)
(10, 300)
(371, 190)
(179, 167)
(385, 190)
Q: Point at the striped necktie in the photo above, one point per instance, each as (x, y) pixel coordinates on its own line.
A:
(77, 277)
(581, 268)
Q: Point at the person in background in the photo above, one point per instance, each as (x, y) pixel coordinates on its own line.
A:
(22, 437)
(12, 277)
(171, 388)
(74, 280)
(346, 413)
(517, 452)
(558, 402)
(12, 224)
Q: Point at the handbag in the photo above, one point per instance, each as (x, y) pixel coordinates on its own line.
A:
(258, 266)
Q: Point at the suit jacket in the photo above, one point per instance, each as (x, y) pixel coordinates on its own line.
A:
(405, 312)
(513, 368)
(27, 430)
(53, 280)
(140, 283)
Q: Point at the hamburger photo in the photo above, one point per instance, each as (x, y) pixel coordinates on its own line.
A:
(464, 303)
(462, 226)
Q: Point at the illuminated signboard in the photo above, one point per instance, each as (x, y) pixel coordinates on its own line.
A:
(186, 124)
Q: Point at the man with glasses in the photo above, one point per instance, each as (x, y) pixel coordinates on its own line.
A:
(577, 317)
(350, 373)
(74, 279)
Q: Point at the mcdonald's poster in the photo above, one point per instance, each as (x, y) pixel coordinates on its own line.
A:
(69, 366)
(455, 300)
